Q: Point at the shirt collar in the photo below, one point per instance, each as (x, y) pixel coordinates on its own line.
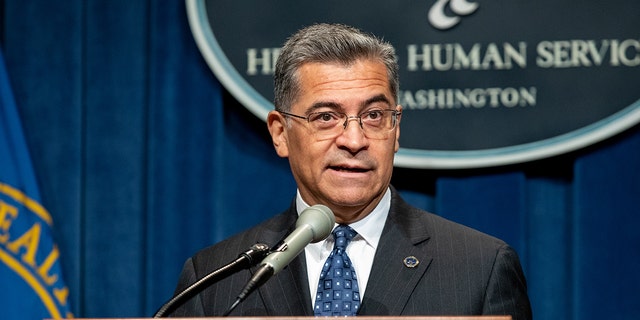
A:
(369, 227)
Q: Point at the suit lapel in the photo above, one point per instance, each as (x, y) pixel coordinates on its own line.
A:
(395, 274)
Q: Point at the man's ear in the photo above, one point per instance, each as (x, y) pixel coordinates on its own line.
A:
(276, 124)
(397, 147)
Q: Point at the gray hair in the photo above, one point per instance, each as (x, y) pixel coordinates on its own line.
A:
(328, 43)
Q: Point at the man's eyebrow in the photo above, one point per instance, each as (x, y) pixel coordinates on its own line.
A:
(338, 107)
(376, 99)
(324, 104)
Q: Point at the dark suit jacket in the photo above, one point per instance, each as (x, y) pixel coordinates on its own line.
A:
(460, 272)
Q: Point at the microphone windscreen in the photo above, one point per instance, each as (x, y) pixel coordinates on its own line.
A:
(321, 220)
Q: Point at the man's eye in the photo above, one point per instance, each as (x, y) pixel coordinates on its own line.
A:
(324, 117)
(373, 114)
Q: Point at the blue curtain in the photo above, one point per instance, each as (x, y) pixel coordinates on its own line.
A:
(143, 158)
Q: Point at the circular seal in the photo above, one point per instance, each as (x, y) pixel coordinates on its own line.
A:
(483, 83)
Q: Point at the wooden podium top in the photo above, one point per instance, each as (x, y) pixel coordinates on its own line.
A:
(507, 317)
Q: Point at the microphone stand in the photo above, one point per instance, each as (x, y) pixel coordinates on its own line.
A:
(245, 260)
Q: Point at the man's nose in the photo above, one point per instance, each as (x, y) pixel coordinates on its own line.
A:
(353, 137)
(348, 120)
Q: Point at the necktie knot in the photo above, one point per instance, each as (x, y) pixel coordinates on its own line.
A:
(342, 235)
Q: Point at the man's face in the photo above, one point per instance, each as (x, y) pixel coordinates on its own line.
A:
(350, 172)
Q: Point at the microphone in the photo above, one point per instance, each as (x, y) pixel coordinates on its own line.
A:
(245, 260)
(314, 224)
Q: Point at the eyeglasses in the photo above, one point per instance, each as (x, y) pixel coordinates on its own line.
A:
(375, 123)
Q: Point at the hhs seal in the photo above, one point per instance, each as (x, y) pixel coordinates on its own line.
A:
(483, 83)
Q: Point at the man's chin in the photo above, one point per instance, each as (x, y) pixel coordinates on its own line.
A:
(352, 197)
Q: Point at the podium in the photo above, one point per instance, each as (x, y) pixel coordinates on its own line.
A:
(501, 317)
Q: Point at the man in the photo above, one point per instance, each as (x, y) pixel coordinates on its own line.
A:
(337, 122)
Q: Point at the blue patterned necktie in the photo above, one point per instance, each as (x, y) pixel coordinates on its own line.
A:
(338, 293)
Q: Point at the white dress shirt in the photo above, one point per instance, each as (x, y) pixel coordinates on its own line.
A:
(361, 249)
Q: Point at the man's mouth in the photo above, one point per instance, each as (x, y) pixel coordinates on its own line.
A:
(348, 169)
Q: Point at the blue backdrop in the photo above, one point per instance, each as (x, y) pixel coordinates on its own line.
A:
(143, 158)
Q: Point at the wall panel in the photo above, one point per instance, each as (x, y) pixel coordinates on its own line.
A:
(115, 70)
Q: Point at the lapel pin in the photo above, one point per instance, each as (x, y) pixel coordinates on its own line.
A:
(411, 262)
